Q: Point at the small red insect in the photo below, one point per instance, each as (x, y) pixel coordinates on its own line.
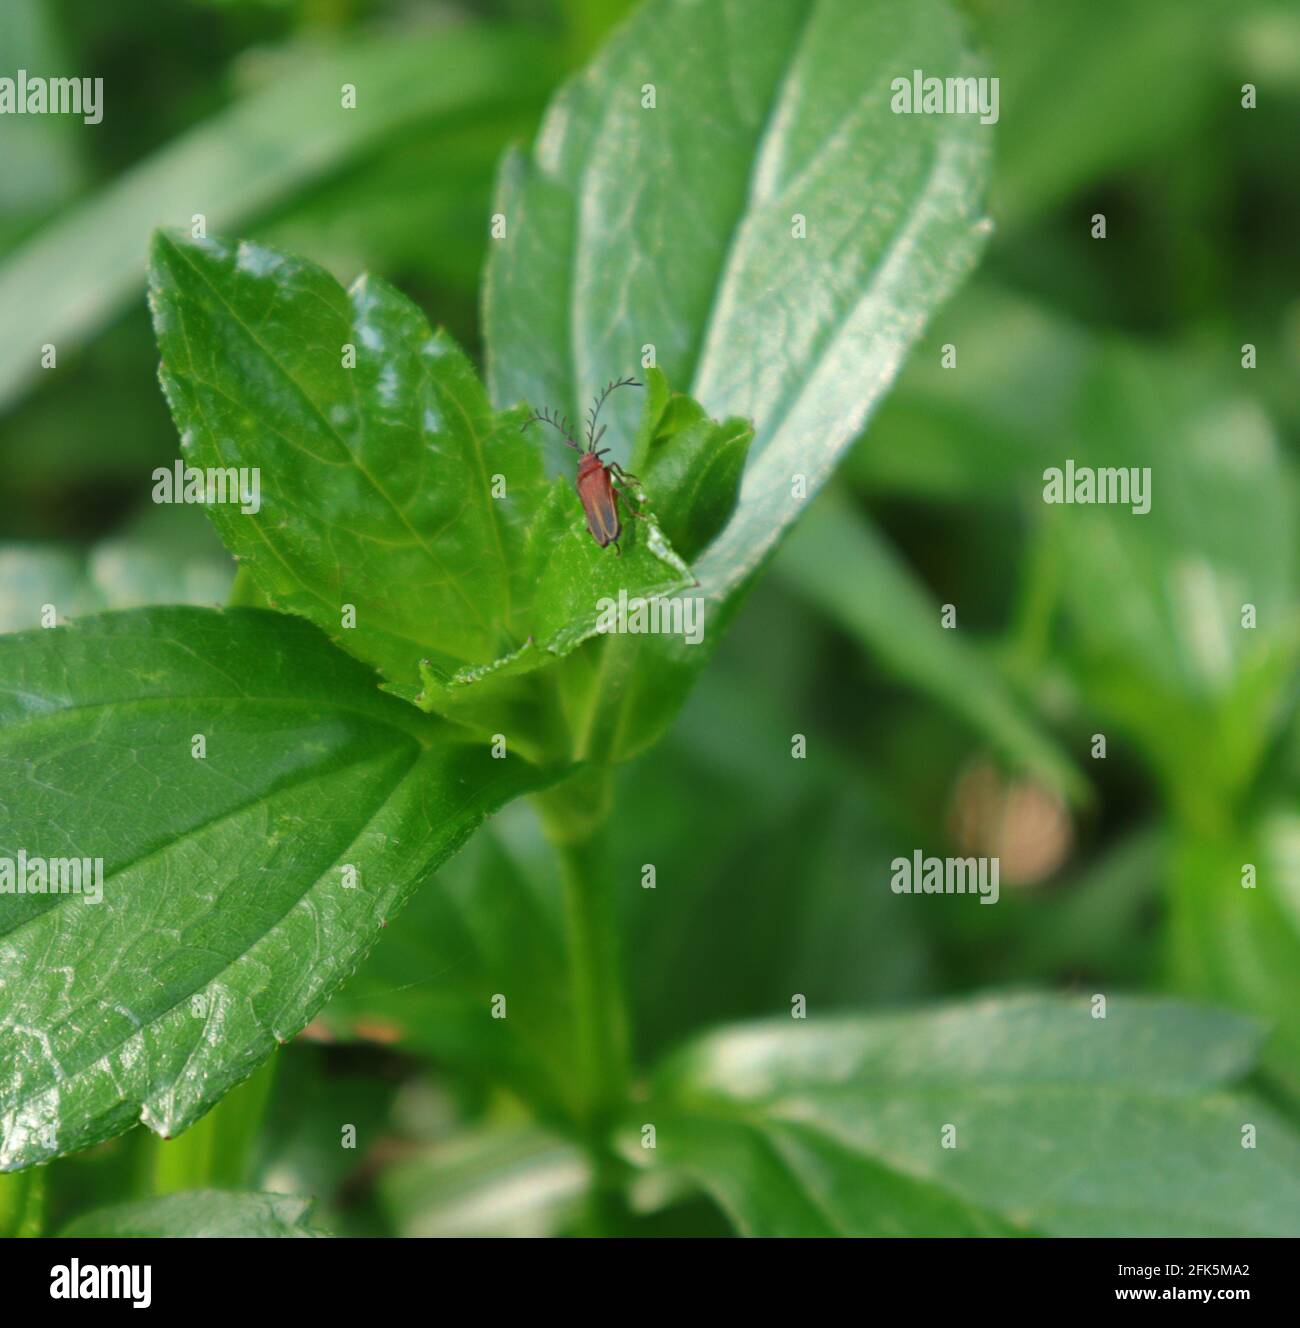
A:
(596, 478)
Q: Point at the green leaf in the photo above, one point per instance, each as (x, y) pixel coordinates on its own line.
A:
(83, 267)
(690, 464)
(1075, 101)
(32, 576)
(390, 486)
(758, 119)
(156, 560)
(573, 573)
(375, 479)
(206, 1213)
(834, 1126)
(841, 564)
(492, 923)
(226, 917)
(494, 1182)
(1154, 603)
(1239, 943)
(42, 166)
(217, 1150)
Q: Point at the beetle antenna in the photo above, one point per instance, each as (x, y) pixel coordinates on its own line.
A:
(558, 422)
(592, 436)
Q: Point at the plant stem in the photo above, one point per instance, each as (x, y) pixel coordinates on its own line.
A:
(574, 816)
(601, 1023)
(22, 1202)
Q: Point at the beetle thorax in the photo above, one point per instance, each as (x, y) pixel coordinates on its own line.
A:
(589, 464)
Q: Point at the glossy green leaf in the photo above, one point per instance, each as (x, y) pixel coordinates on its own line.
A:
(227, 915)
(573, 573)
(690, 464)
(375, 479)
(201, 1213)
(216, 1151)
(1065, 1124)
(390, 485)
(674, 227)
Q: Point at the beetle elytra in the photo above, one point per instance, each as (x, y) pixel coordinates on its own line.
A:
(596, 478)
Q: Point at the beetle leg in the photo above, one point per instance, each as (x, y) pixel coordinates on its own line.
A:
(629, 493)
(627, 482)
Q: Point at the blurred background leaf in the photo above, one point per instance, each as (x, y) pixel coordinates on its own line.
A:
(288, 134)
(844, 566)
(918, 1124)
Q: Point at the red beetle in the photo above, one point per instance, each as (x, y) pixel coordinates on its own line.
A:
(596, 478)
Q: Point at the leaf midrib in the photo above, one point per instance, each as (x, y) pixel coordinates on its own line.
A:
(776, 105)
(295, 780)
(752, 553)
(306, 397)
(26, 719)
(155, 1018)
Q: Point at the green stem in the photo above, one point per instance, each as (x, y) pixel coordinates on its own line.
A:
(22, 1202)
(601, 1023)
(574, 816)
